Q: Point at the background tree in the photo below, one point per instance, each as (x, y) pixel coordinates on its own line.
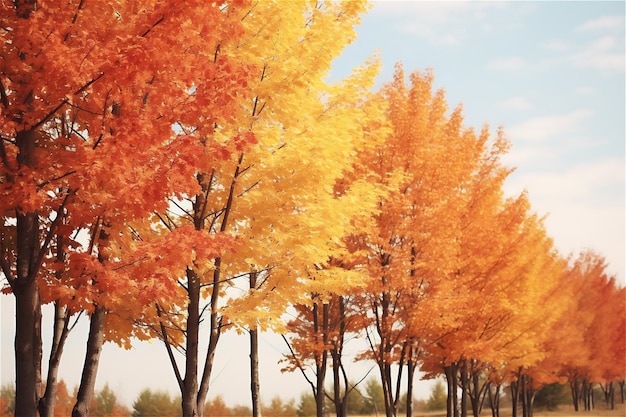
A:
(216, 408)
(307, 406)
(437, 399)
(155, 404)
(7, 400)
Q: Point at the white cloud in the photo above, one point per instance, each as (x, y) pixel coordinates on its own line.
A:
(602, 23)
(584, 90)
(439, 22)
(584, 204)
(548, 127)
(514, 63)
(517, 103)
(604, 54)
(576, 183)
(556, 45)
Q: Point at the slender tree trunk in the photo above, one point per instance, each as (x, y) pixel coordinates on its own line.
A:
(411, 365)
(477, 392)
(92, 360)
(528, 396)
(321, 330)
(515, 392)
(606, 392)
(464, 387)
(494, 401)
(28, 349)
(341, 384)
(338, 396)
(255, 385)
(59, 336)
(215, 319)
(575, 389)
(451, 372)
(215, 329)
(190, 382)
(61, 321)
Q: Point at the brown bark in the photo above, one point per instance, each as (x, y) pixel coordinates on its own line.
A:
(411, 365)
(92, 360)
(494, 400)
(255, 385)
(321, 360)
(61, 330)
(341, 388)
(450, 371)
(28, 349)
(190, 382)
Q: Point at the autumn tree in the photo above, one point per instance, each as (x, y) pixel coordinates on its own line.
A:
(89, 98)
(273, 189)
(216, 408)
(64, 401)
(592, 329)
(424, 161)
(7, 400)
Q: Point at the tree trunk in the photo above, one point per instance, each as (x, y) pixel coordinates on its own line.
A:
(321, 329)
(255, 385)
(215, 319)
(190, 382)
(464, 388)
(528, 396)
(411, 365)
(477, 393)
(28, 349)
(494, 401)
(341, 384)
(61, 321)
(452, 409)
(214, 336)
(339, 398)
(574, 385)
(92, 360)
(515, 392)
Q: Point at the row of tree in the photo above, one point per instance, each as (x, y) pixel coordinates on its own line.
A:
(195, 159)
(457, 278)
(366, 400)
(159, 403)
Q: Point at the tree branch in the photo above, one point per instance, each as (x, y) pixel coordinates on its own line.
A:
(44, 247)
(170, 353)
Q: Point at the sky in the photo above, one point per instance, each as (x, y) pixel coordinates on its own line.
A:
(550, 73)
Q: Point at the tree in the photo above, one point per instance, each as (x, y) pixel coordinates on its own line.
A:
(89, 96)
(155, 404)
(592, 329)
(216, 408)
(425, 161)
(7, 400)
(374, 397)
(551, 396)
(307, 405)
(277, 408)
(437, 398)
(64, 401)
(261, 193)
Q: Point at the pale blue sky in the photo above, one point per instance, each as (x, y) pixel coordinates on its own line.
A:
(551, 73)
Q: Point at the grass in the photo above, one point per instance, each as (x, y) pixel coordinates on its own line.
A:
(563, 411)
